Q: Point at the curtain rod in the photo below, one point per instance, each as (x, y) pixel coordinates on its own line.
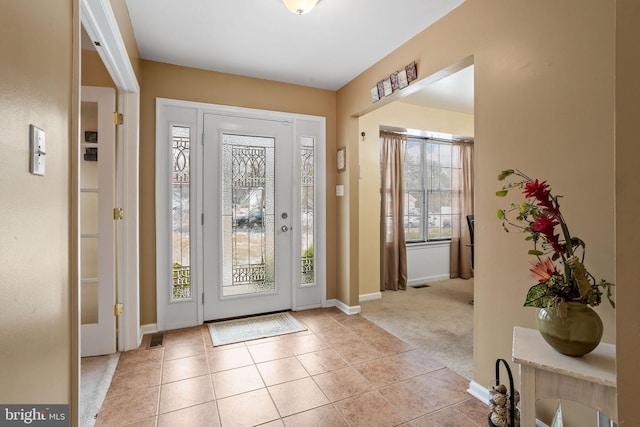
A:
(399, 131)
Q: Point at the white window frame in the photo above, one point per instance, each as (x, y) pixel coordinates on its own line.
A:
(424, 210)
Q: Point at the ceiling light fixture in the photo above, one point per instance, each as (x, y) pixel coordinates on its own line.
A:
(300, 7)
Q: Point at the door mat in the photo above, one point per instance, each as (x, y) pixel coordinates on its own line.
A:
(253, 328)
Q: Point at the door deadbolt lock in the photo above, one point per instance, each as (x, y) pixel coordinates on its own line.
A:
(284, 215)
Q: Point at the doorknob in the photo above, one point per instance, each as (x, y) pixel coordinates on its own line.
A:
(284, 228)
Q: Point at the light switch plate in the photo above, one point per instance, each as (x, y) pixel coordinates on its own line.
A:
(37, 149)
(339, 190)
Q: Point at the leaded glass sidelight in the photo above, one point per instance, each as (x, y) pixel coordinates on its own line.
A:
(307, 275)
(248, 219)
(181, 288)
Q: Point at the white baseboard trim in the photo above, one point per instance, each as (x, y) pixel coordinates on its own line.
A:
(479, 391)
(150, 328)
(343, 307)
(422, 280)
(369, 297)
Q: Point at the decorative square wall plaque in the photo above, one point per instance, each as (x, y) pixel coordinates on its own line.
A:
(394, 81)
(402, 79)
(386, 85)
(412, 72)
(375, 96)
(380, 89)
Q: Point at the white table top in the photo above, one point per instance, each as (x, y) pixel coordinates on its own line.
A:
(530, 349)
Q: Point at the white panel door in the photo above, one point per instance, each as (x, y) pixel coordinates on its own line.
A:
(97, 229)
(247, 202)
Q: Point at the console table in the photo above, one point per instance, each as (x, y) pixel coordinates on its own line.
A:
(545, 373)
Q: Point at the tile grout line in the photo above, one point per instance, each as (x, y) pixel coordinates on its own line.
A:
(289, 344)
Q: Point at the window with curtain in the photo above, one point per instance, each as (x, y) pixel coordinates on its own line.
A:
(393, 253)
(427, 197)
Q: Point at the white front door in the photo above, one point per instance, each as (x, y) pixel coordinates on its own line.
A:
(248, 197)
(240, 212)
(97, 229)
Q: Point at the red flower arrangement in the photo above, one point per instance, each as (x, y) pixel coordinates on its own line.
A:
(561, 275)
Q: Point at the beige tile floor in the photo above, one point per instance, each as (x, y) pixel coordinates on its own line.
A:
(342, 371)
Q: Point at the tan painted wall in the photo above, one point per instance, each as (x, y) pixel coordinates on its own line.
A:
(401, 115)
(170, 81)
(544, 93)
(93, 71)
(627, 208)
(36, 75)
(347, 237)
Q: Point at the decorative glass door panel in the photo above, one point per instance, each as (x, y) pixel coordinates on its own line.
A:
(307, 195)
(181, 250)
(177, 193)
(247, 199)
(248, 214)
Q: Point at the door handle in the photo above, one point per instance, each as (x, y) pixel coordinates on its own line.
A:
(284, 228)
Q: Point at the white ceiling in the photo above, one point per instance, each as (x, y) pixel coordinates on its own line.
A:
(454, 92)
(325, 48)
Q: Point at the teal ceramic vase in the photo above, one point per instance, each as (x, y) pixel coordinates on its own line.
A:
(571, 328)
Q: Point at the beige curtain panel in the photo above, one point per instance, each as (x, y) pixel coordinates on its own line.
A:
(393, 248)
(461, 206)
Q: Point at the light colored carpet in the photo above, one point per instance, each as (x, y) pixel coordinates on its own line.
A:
(95, 377)
(252, 328)
(437, 319)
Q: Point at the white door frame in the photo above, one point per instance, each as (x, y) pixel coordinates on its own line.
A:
(303, 297)
(100, 23)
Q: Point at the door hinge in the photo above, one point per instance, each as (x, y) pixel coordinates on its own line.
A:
(118, 213)
(201, 219)
(203, 298)
(118, 118)
(118, 309)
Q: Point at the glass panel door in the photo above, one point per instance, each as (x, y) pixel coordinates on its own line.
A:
(247, 199)
(89, 215)
(97, 232)
(240, 205)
